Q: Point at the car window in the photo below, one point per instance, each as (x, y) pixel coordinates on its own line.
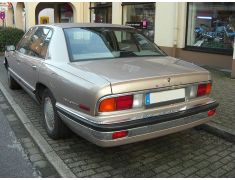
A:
(39, 41)
(35, 42)
(86, 44)
(107, 42)
(23, 44)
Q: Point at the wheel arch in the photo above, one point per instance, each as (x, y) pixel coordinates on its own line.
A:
(40, 87)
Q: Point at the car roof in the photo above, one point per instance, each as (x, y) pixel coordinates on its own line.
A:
(73, 25)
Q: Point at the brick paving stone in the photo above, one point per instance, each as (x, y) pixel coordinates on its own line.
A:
(178, 175)
(78, 163)
(229, 166)
(218, 172)
(40, 164)
(189, 171)
(216, 165)
(11, 117)
(190, 153)
(175, 170)
(101, 175)
(162, 175)
(161, 168)
(104, 168)
(204, 172)
(226, 159)
(36, 157)
(85, 173)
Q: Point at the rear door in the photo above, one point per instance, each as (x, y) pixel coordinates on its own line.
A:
(30, 64)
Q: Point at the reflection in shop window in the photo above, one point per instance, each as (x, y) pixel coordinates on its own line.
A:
(141, 16)
(101, 12)
(211, 25)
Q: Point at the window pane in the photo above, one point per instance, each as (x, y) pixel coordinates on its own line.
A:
(86, 44)
(38, 43)
(211, 25)
(142, 17)
(100, 43)
(23, 45)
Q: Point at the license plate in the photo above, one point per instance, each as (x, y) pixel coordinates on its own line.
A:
(164, 97)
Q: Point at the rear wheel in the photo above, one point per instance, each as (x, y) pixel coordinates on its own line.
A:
(54, 126)
(12, 84)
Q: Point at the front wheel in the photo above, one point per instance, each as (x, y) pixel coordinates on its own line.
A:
(54, 126)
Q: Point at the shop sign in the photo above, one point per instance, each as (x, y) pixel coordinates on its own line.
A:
(3, 8)
(138, 25)
(2, 15)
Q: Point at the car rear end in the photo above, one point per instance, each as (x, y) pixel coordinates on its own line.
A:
(151, 94)
(139, 115)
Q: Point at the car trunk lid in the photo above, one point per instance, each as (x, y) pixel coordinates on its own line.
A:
(135, 74)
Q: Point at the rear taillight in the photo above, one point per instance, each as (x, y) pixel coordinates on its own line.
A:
(211, 112)
(203, 89)
(124, 102)
(119, 134)
(116, 103)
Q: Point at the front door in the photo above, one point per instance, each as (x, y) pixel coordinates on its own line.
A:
(36, 54)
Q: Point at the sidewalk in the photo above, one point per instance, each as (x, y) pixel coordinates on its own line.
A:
(223, 90)
(13, 160)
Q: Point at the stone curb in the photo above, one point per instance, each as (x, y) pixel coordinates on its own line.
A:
(47, 150)
(219, 131)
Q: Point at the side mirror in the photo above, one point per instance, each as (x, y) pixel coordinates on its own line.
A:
(10, 48)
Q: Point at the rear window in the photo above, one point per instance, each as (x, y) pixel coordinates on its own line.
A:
(103, 43)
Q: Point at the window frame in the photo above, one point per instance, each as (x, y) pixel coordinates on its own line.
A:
(202, 49)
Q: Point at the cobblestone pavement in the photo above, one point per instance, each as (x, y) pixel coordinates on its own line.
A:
(223, 91)
(190, 153)
(33, 155)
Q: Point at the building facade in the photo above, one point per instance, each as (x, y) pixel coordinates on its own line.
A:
(199, 32)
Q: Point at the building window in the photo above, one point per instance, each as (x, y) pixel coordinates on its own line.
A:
(140, 16)
(101, 12)
(211, 27)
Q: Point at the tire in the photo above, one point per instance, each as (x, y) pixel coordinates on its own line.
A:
(55, 128)
(12, 84)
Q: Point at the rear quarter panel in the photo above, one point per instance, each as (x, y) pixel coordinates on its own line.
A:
(69, 87)
(71, 90)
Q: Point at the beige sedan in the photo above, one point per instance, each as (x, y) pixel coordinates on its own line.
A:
(108, 83)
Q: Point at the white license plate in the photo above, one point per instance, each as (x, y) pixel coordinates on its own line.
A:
(165, 96)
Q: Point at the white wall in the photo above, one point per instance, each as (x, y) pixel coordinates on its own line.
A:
(164, 23)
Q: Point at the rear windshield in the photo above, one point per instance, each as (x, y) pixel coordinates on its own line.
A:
(101, 43)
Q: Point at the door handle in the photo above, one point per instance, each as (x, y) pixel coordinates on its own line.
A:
(34, 67)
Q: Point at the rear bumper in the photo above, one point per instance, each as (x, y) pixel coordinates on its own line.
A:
(138, 130)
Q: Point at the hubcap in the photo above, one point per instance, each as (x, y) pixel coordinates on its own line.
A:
(49, 114)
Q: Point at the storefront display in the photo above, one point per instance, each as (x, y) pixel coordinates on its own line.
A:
(141, 16)
(101, 12)
(211, 26)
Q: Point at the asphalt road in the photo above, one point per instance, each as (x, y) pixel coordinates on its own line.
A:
(13, 161)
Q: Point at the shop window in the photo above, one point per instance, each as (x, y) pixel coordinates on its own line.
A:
(211, 27)
(141, 16)
(101, 12)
